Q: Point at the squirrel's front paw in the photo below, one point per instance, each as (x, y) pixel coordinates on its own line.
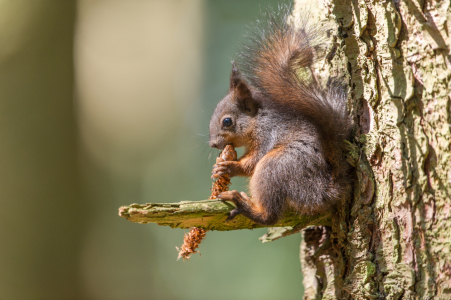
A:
(230, 168)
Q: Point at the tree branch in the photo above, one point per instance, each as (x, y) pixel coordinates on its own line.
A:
(212, 215)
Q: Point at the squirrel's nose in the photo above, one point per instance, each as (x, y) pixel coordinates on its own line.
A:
(213, 144)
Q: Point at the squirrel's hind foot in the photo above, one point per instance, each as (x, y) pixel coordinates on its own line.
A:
(234, 213)
(239, 199)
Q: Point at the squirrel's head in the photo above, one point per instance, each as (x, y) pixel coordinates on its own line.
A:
(234, 117)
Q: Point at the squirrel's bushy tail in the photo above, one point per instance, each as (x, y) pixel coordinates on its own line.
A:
(271, 59)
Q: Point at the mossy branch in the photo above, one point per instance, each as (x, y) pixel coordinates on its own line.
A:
(212, 215)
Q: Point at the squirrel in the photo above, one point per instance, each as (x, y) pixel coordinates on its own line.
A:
(292, 128)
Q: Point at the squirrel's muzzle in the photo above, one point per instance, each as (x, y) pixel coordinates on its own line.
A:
(216, 142)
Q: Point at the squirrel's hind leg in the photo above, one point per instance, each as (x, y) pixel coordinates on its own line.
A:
(247, 207)
(270, 184)
(241, 200)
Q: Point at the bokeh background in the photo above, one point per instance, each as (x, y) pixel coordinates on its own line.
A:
(105, 103)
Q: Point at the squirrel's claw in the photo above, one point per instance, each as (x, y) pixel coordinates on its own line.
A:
(219, 171)
(234, 213)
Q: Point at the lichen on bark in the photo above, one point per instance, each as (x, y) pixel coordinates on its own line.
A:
(209, 215)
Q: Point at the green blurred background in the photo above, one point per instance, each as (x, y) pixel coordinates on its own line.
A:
(105, 103)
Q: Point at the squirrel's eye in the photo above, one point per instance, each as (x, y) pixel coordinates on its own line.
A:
(227, 122)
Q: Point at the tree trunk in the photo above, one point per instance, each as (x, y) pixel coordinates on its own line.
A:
(41, 215)
(397, 243)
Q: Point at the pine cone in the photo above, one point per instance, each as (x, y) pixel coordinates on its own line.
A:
(195, 236)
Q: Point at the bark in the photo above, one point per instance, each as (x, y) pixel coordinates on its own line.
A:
(212, 215)
(395, 245)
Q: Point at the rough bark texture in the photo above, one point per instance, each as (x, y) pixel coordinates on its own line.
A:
(211, 215)
(397, 244)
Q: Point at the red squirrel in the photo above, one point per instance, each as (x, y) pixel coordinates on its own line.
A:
(292, 128)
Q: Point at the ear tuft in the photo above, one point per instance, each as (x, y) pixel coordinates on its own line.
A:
(235, 76)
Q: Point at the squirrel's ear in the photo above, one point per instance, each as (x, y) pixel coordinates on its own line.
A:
(235, 77)
(242, 94)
